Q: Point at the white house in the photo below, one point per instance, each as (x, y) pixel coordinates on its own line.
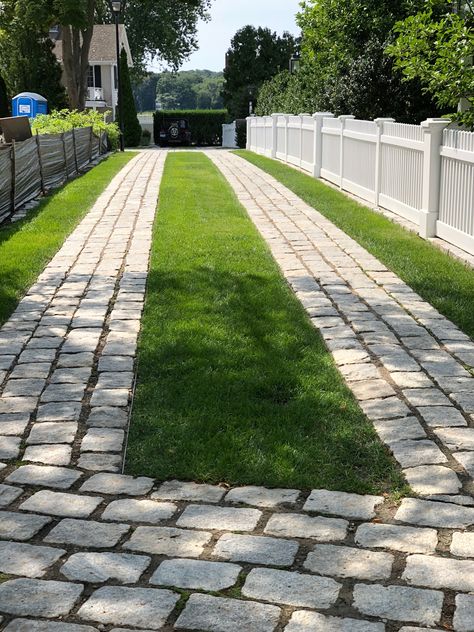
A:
(102, 79)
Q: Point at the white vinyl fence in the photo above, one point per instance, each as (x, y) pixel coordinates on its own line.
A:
(424, 173)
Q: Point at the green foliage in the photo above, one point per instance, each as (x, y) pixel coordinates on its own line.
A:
(344, 66)
(159, 29)
(27, 61)
(189, 90)
(132, 130)
(241, 133)
(205, 125)
(255, 55)
(4, 101)
(146, 137)
(436, 46)
(66, 120)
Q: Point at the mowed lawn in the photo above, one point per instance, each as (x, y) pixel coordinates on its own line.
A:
(28, 245)
(446, 283)
(234, 384)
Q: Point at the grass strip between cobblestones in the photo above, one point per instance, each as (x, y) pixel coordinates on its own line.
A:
(234, 383)
(439, 278)
(29, 244)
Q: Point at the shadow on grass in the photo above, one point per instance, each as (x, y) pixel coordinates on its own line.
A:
(235, 385)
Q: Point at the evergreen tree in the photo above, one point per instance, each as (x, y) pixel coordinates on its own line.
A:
(4, 104)
(132, 128)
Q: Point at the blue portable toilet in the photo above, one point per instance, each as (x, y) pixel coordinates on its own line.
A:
(29, 104)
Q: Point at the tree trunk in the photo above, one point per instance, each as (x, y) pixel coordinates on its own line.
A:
(76, 48)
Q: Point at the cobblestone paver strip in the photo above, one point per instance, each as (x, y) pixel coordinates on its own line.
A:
(86, 549)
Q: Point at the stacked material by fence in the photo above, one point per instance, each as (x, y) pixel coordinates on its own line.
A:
(424, 173)
(44, 162)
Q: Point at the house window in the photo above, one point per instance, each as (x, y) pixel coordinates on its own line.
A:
(94, 77)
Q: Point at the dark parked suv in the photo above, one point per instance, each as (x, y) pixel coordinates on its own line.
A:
(174, 132)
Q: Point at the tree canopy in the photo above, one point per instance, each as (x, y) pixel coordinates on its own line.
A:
(27, 61)
(436, 47)
(255, 55)
(166, 30)
(344, 66)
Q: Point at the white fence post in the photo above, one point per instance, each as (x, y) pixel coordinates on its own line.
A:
(249, 132)
(318, 118)
(275, 133)
(433, 138)
(378, 155)
(301, 137)
(343, 120)
(286, 118)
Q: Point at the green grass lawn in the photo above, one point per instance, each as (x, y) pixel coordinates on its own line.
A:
(28, 245)
(440, 279)
(234, 383)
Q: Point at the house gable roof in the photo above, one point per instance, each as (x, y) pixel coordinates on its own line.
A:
(103, 47)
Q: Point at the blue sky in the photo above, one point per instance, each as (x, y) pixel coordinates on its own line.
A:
(230, 15)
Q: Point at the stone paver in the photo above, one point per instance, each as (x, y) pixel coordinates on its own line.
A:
(38, 598)
(117, 484)
(87, 533)
(399, 603)
(343, 504)
(219, 518)
(44, 476)
(132, 510)
(214, 614)
(341, 561)
(304, 621)
(168, 541)
(139, 607)
(196, 574)
(271, 557)
(439, 572)
(176, 490)
(292, 589)
(97, 568)
(17, 526)
(464, 615)
(397, 538)
(256, 549)
(59, 504)
(300, 526)
(27, 560)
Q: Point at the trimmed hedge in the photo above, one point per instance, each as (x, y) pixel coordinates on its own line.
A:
(205, 125)
(241, 133)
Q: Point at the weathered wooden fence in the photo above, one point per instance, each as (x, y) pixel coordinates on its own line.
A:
(424, 173)
(43, 162)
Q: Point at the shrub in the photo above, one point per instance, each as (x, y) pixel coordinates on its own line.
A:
(132, 131)
(205, 125)
(66, 120)
(241, 133)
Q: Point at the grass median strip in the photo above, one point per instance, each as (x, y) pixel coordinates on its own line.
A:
(440, 279)
(27, 246)
(234, 384)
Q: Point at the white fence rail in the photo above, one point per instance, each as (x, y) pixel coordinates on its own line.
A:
(424, 173)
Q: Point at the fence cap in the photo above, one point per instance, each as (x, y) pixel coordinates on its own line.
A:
(436, 122)
(323, 115)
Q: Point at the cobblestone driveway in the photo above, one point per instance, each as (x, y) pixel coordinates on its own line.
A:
(83, 548)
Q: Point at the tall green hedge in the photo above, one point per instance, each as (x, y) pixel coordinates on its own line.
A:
(132, 128)
(205, 125)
